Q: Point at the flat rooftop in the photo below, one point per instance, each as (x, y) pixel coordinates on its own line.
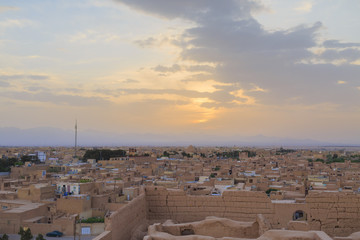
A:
(23, 206)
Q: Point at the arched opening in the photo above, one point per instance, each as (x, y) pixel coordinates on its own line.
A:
(299, 215)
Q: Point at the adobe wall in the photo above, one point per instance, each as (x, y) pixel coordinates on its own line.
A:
(128, 221)
(88, 188)
(114, 206)
(177, 205)
(284, 213)
(43, 228)
(337, 214)
(10, 221)
(36, 194)
(101, 201)
(73, 205)
(106, 235)
(95, 228)
(212, 227)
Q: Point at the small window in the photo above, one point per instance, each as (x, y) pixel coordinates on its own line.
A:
(299, 216)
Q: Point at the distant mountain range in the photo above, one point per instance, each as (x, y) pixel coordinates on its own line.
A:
(47, 136)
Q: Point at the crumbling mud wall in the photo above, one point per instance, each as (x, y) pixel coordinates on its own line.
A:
(284, 216)
(337, 214)
(166, 204)
(212, 226)
(130, 221)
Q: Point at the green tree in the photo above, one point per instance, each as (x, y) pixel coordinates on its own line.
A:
(5, 237)
(93, 220)
(270, 190)
(103, 154)
(33, 159)
(25, 234)
(7, 163)
(40, 237)
(21, 231)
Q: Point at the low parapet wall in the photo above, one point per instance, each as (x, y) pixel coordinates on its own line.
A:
(166, 204)
(106, 235)
(214, 227)
(129, 221)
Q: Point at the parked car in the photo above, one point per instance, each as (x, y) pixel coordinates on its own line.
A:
(54, 234)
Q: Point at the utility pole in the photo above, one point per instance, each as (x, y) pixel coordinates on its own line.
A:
(114, 184)
(80, 231)
(75, 226)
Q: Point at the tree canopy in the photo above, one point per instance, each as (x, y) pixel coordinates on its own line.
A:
(103, 154)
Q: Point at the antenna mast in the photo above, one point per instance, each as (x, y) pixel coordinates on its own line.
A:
(75, 137)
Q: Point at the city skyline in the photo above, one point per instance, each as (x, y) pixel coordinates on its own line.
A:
(282, 69)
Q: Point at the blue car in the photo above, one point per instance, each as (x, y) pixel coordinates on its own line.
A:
(54, 234)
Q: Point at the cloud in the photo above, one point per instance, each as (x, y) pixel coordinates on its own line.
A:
(193, 10)
(348, 54)
(20, 23)
(130, 81)
(338, 44)
(163, 69)
(305, 6)
(24, 76)
(197, 77)
(21, 76)
(37, 89)
(4, 84)
(148, 42)
(200, 68)
(7, 8)
(156, 41)
(147, 91)
(74, 90)
(244, 54)
(220, 96)
(92, 36)
(257, 89)
(163, 102)
(177, 68)
(58, 99)
(341, 82)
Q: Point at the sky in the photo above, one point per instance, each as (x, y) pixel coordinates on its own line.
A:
(219, 68)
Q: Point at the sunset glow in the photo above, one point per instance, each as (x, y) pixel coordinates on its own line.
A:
(225, 68)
